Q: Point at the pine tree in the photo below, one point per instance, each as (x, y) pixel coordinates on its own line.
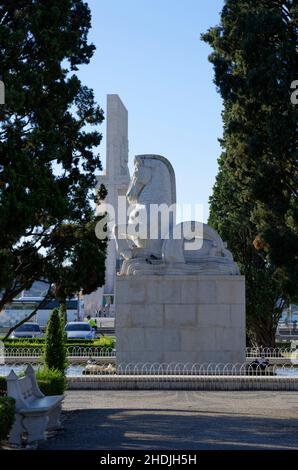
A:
(48, 156)
(254, 205)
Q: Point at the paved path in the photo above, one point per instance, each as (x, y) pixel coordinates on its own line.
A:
(152, 420)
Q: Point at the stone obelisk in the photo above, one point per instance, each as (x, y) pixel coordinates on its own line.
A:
(116, 179)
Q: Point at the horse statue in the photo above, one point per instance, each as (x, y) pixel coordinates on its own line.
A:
(152, 183)
(151, 242)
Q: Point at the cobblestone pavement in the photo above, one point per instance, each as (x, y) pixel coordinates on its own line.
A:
(173, 420)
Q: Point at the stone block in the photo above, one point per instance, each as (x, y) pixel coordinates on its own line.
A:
(197, 339)
(206, 292)
(171, 339)
(123, 317)
(213, 315)
(237, 356)
(213, 357)
(181, 319)
(225, 338)
(163, 290)
(181, 315)
(131, 291)
(239, 337)
(130, 339)
(230, 291)
(180, 357)
(146, 315)
(153, 339)
(189, 291)
(151, 358)
(237, 314)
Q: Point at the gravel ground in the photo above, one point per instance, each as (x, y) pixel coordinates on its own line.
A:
(174, 420)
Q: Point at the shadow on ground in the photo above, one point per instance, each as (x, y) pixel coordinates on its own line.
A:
(141, 429)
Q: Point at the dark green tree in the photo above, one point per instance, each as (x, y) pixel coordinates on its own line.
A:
(254, 205)
(63, 314)
(48, 159)
(55, 351)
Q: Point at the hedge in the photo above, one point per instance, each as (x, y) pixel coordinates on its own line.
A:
(28, 343)
(3, 386)
(7, 410)
(51, 381)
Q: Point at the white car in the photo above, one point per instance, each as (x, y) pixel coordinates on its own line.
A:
(27, 330)
(79, 330)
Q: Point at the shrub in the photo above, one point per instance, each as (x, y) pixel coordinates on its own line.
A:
(51, 381)
(55, 352)
(105, 342)
(7, 409)
(285, 344)
(3, 386)
(9, 341)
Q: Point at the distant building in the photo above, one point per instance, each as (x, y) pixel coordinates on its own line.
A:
(287, 329)
(28, 300)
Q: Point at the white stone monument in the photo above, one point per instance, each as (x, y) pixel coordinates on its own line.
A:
(179, 297)
(116, 179)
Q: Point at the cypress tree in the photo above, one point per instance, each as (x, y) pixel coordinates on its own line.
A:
(55, 352)
(254, 205)
(63, 314)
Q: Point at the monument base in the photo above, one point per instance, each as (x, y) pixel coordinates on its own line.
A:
(180, 319)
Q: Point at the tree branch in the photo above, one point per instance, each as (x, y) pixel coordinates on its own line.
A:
(49, 296)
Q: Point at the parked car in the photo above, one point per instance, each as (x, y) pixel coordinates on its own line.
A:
(27, 330)
(79, 330)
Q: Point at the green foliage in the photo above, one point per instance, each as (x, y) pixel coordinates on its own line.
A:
(254, 205)
(15, 342)
(7, 409)
(48, 151)
(105, 341)
(3, 386)
(63, 314)
(284, 344)
(55, 352)
(51, 381)
(34, 343)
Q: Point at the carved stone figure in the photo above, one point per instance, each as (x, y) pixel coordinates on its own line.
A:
(153, 182)
(155, 245)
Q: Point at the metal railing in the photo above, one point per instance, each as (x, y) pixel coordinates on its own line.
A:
(164, 370)
(205, 369)
(86, 352)
(270, 353)
(72, 351)
(98, 352)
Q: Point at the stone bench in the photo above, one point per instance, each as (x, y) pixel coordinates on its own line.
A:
(35, 413)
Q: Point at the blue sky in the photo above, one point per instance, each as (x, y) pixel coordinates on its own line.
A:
(149, 52)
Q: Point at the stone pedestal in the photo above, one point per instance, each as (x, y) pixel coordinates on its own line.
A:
(180, 319)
